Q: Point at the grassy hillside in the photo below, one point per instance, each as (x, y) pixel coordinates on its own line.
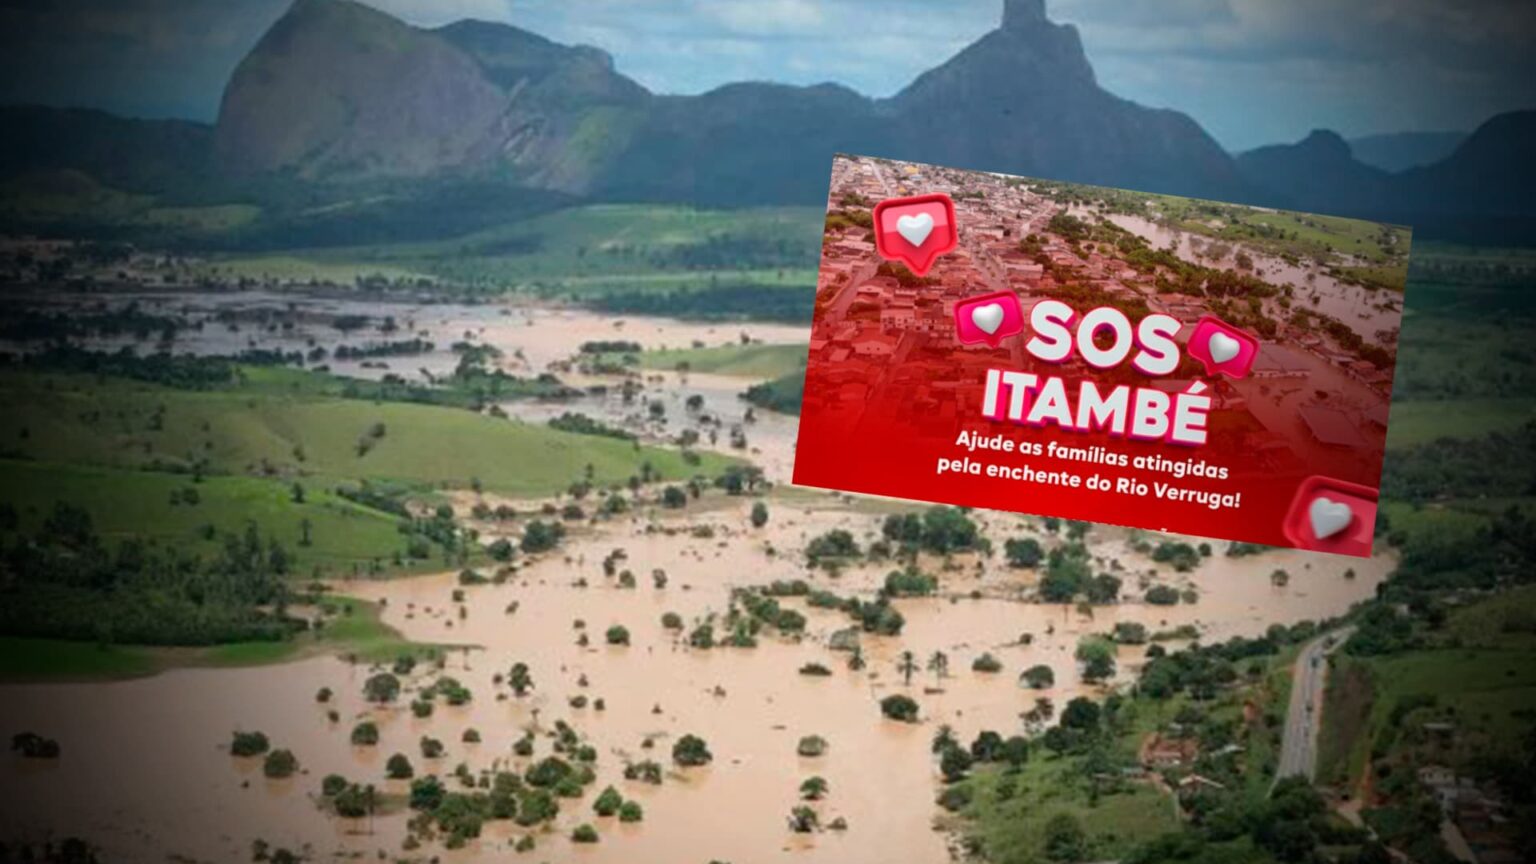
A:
(1478, 671)
(782, 394)
(747, 361)
(76, 419)
(344, 536)
(1420, 422)
(349, 626)
(624, 258)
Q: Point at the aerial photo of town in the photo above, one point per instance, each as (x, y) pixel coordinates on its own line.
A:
(1323, 296)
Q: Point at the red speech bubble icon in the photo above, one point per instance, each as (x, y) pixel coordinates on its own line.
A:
(1223, 348)
(990, 318)
(1329, 515)
(916, 230)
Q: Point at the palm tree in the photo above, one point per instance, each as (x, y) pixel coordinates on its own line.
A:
(856, 659)
(938, 664)
(906, 666)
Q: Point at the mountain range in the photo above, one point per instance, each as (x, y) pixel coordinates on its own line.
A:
(338, 96)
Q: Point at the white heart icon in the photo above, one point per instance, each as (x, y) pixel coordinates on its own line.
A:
(915, 229)
(1329, 517)
(1222, 347)
(987, 318)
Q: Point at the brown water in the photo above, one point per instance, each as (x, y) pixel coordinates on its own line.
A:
(1364, 311)
(531, 336)
(145, 770)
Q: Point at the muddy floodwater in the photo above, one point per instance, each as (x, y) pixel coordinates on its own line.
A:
(157, 777)
(146, 771)
(1367, 312)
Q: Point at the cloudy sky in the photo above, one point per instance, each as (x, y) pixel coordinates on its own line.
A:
(1251, 71)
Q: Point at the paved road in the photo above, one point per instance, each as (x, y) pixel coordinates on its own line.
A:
(1298, 750)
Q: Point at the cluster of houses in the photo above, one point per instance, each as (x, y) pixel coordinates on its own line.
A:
(1477, 813)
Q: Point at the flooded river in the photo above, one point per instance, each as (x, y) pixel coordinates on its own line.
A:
(158, 780)
(1363, 310)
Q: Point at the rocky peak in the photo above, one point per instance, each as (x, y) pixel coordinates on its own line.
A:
(1023, 14)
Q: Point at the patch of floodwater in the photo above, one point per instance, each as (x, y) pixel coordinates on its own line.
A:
(531, 335)
(144, 770)
(1363, 310)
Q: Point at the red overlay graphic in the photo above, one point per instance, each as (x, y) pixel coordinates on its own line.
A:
(916, 230)
(1059, 360)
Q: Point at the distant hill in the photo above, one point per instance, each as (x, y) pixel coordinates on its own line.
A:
(337, 90)
(1403, 150)
(1485, 191)
(133, 155)
(1320, 170)
(344, 125)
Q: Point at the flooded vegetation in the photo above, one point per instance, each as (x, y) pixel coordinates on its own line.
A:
(592, 652)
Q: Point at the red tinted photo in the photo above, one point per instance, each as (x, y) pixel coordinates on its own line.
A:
(1101, 354)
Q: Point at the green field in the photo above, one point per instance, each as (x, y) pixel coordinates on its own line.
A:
(80, 420)
(58, 660)
(615, 240)
(755, 263)
(345, 537)
(1480, 673)
(352, 629)
(747, 361)
(297, 268)
(1012, 827)
(1415, 422)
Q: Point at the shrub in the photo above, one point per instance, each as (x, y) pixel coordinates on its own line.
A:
(1039, 677)
(955, 798)
(647, 771)
(332, 785)
(811, 746)
(608, 803)
(910, 582)
(280, 764)
(548, 772)
(899, 707)
(535, 806)
(986, 663)
(246, 744)
(426, 793)
(584, 833)
(352, 802)
(630, 811)
(1024, 552)
(365, 734)
(690, 750)
(618, 634)
(383, 687)
(399, 768)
